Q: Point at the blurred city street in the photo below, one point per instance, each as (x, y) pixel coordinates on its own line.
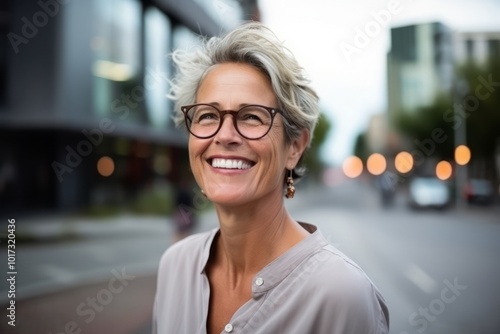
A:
(403, 170)
(438, 270)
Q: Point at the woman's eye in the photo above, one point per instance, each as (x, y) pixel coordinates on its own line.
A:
(206, 117)
(251, 117)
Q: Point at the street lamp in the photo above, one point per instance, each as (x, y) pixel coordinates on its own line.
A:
(403, 162)
(352, 167)
(443, 170)
(376, 164)
(462, 155)
(460, 137)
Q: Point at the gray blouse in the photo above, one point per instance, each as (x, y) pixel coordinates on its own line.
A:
(312, 288)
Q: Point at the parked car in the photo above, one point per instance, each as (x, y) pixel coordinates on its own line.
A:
(479, 191)
(429, 192)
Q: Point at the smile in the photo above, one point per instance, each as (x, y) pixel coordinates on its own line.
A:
(230, 163)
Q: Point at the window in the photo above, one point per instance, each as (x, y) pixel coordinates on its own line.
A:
(469, 49)
(494, 48)
(158, 43)
(118, 91)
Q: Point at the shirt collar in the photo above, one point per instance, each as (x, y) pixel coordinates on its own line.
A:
(276, 271)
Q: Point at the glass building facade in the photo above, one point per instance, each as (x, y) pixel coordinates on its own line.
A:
(84, 117)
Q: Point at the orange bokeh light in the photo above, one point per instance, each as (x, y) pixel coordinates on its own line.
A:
(403, 162)
(462, 155)
(443, 170)
(376, 164)
(105, 166)
(352, 167)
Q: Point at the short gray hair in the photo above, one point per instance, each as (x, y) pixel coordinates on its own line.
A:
(254, 44)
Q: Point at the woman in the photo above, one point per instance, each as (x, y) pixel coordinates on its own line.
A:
(250, 114)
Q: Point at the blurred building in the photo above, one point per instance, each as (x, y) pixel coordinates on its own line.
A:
(419, 65)
(83, 111)
(376, 133)
(476, 47)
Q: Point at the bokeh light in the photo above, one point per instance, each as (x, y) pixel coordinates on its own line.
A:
(105, 166)
(443, 170)
(462, 155)
(403, 162)
(352, 167)
(376, 164)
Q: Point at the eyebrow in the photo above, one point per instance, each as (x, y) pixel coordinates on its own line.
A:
(217, 104)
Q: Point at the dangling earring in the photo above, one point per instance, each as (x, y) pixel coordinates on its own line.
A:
(290, 189)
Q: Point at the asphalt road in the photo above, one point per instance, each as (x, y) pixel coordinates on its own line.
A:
(438, 270)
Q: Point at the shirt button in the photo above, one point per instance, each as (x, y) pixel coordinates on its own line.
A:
(228, 328)
(259, 281)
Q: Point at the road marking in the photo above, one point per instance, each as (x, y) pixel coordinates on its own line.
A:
(420, 278)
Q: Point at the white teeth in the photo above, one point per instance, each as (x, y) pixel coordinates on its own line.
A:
(230, 164)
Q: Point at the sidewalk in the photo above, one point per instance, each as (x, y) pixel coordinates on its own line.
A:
(60, 227)
(92, 305)
(93, 309)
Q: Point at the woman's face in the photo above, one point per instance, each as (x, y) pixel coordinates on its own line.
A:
(253, 168)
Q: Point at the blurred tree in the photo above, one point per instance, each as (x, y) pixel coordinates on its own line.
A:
(361, 147)
(424, 127)
(479, 100)
(482, 109)
(312, 159)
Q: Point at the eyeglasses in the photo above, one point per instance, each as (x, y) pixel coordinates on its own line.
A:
(251, 121)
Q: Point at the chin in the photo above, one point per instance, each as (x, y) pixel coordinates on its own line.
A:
(229, 196)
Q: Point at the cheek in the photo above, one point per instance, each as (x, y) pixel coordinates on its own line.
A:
(196, 148)
(277, 152)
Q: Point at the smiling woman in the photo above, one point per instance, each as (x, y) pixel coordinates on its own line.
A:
(250, 113)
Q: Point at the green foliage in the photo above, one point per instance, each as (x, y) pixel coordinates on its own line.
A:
(481, 113)
(361, 147)
(420, 126)
(312, 159)
(154, 202)
(482, 107)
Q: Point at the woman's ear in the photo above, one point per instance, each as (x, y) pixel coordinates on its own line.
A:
(297, 148)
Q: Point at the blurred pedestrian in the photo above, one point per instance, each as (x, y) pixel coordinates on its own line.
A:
(185, 214)
(251, 113)
(386, 187)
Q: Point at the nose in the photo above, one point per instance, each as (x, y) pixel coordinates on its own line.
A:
(227, 133)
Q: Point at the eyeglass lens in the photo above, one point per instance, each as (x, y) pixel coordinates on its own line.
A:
(251, 121)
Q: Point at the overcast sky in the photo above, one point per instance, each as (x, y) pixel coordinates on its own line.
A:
(352, 82)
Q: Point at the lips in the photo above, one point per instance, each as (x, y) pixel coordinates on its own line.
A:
(230, 163)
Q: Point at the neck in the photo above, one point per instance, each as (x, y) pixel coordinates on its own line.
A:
(250, 238)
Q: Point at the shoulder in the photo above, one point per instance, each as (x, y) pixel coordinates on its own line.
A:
(339, 268)
(344, 294)
(178, 286)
